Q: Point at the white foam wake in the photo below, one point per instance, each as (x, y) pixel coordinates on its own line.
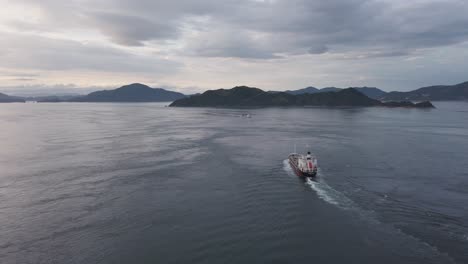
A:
(336, 198)
(323, 190)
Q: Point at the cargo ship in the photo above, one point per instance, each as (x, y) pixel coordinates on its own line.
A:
(303, 165)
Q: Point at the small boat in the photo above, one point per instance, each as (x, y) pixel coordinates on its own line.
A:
(303, 165)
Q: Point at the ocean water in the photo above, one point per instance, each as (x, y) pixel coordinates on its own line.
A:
(144, 183)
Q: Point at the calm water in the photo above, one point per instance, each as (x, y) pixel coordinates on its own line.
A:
(142, 183)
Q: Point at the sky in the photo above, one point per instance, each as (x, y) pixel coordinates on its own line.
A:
(76, 46)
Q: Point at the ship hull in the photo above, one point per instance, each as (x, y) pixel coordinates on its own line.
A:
(299, 172)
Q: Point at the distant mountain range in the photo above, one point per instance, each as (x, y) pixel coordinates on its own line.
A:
(50, 98)
(10, 99)
(243, 96)
(433, 93)
(370, 92)
(135, 92)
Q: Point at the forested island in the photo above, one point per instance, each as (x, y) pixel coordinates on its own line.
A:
(244, 96)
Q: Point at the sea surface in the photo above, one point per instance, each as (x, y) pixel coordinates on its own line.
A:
(144, 183)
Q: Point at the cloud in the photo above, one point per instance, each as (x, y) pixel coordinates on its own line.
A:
(303, 26)
(316, 41)
(318, 50)
(131, 30)
(285, 26)
(42, 53)
(227, 42)
(18, 74)
(23, 79)
(56, 89)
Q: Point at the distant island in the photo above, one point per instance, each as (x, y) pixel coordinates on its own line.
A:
(430, 93)
(433, 93)
(10, 99)
(243, 96)
(135, 92)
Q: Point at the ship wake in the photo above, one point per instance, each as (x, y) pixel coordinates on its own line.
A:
(323, 190)
(326, 193)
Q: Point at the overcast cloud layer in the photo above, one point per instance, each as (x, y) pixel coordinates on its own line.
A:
(271, 44)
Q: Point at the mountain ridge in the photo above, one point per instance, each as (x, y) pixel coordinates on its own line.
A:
(4, 98)
(135, 92)
(371, 92)
(244, 96)
(433, 93)
(138, 92)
